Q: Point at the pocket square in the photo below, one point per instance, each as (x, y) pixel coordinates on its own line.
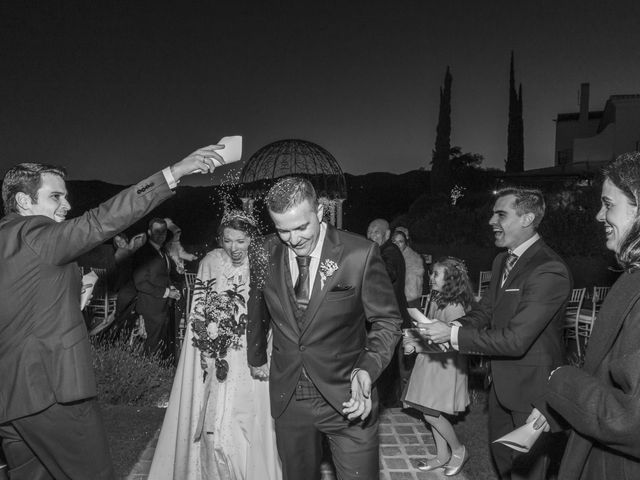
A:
(512, 290)
(341, 287)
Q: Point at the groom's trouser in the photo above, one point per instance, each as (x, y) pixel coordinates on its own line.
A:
(63, 442)
(354, 446)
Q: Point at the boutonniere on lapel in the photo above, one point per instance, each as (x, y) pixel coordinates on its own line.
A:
(327, 269)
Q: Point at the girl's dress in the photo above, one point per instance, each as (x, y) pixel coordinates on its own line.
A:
(217, 430)
(438, 381)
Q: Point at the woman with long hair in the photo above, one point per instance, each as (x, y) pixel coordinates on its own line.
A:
(438, 383)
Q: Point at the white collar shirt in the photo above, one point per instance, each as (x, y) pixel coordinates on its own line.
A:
(315, 259)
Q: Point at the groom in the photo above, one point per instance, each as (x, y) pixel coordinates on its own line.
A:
(322, 288)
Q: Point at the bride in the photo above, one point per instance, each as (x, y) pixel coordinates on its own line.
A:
(218, 423)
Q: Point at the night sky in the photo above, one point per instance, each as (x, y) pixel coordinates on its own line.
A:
(117, 90)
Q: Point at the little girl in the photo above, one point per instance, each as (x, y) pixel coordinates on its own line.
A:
(438, 383)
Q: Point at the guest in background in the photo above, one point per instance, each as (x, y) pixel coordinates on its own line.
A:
(175, 249)
(414, 269)
(601, 400)
(396, 375)
(156, 293)
(125, 316)
(438, 383)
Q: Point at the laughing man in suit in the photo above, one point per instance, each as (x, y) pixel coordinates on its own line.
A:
(50, 424)
(518, 324)
(323, 287)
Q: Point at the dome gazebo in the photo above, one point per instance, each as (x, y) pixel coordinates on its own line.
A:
(295, 158)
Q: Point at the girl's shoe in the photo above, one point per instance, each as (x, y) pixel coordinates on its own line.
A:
(456, 462)
(432, 464)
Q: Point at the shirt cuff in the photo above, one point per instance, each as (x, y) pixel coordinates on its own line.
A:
(454, 336)
(166, 293)
(168, 176)
(353, 374)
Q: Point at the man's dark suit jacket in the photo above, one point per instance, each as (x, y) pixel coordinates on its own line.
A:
(396, 268)
(152, 277)
(334, 339)
(519, 325)
(44, 347)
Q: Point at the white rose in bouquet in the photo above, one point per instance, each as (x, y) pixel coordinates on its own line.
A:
(212, 330)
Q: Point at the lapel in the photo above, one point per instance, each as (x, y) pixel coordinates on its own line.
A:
(521, 266)
(284, 287)
(614, 311)
(331, 250)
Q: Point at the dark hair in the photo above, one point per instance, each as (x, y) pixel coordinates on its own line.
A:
(624, 173)
(288, 192)
(25, 178)
(155, 220)
(121, 235)
(528, 200)
(401, 233)
(457, 287)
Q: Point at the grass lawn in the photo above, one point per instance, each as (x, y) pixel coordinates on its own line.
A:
(129, 429)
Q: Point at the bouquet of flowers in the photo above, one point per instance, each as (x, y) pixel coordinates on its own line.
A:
(217, 324)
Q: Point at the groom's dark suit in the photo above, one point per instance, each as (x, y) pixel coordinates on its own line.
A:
(329, 340)
(45, 357)
(519, 325)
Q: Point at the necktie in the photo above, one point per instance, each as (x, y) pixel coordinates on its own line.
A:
(302, 284)
(508, 265)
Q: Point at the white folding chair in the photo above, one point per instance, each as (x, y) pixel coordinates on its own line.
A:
(102, 305)
(483, 282)
(572, 313)
(586, 320)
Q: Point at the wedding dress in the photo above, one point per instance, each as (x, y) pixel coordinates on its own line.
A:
(217, 430)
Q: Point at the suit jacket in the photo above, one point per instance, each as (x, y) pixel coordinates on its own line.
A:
(519, 325)
(601, 401)
(151, 277)
(44, 348)
(334, 339)
(396, 268)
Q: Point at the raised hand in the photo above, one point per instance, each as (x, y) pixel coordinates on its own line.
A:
(359, 405)
(203, 160)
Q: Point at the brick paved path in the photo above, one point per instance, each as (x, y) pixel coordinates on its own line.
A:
(404, 440)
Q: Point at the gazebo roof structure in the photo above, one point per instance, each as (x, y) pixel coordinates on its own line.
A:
(292, 157)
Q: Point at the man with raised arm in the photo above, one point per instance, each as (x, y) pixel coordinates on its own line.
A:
(50, 424)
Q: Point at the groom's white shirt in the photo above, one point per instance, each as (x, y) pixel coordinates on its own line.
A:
(315, 259)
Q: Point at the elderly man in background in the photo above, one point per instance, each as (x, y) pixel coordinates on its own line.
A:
(414, 267)
(397, 373)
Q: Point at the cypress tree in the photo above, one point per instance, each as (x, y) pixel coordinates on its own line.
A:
(440, 169)
(515, 129)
